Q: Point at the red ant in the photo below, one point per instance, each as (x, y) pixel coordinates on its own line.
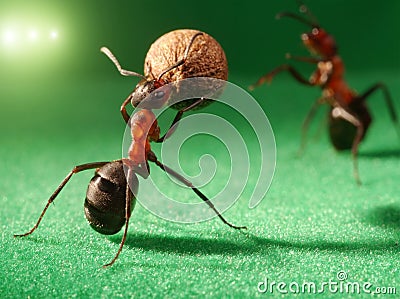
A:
(149, 84)
(349, 116)
(111, 195)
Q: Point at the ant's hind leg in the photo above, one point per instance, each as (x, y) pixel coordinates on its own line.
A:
(129, 195)
(388, 99)
(342, 113)
(152, 157)
(75, 170)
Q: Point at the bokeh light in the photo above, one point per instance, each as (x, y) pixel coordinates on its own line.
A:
(32, 35)
(21, 35)
(53, 34)
(9, 37)
(31, 44)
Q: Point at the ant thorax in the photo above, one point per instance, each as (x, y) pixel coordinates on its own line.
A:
(322, 74)
(144, 128)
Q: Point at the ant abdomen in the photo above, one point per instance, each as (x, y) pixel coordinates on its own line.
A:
(106, 199)
(342, 133)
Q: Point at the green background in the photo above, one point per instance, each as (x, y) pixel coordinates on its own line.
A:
(59, 108)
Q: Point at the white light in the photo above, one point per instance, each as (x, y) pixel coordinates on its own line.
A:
(12, 36)
(32, 35)
(9, 37)
(53, 34)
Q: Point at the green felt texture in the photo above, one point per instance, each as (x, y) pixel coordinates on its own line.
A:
(314, 221)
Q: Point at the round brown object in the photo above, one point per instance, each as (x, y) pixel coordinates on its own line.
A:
(206, 58)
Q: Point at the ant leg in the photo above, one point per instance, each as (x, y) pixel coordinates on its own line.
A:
(179, 63)
(178, 117)
(306, 124)
(125, 114)
(152, 157)
(141, 169)
(342, 113)
(185, 55)
(76, 169)
(307, 59)
(354, 151)
(389, 102)
(284, 67)
(129, 196)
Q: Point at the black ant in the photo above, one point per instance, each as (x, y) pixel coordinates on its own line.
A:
(111, 195)
(349, 116)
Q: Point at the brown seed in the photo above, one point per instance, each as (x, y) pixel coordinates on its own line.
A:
(206, 58)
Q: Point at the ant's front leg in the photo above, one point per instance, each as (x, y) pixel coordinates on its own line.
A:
(123, 111)
(183, 60)
(307, 59)
(178, 117)
(267, 78)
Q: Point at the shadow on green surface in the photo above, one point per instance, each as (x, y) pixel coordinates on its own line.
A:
(385, 216)
(183, 245)
(250, 244)
(385, 153)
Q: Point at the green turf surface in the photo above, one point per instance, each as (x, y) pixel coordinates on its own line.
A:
(314, 222)
(59, 108)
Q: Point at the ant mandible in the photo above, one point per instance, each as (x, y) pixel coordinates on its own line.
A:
(111, 195)
(349, 116)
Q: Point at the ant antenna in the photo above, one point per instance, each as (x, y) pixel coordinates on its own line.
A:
(304, 9)
(298, 18)
(185, 55)
(123, 72)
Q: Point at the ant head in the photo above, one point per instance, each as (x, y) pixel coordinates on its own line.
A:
(319, 42)
(146, 90)
(150, 94)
